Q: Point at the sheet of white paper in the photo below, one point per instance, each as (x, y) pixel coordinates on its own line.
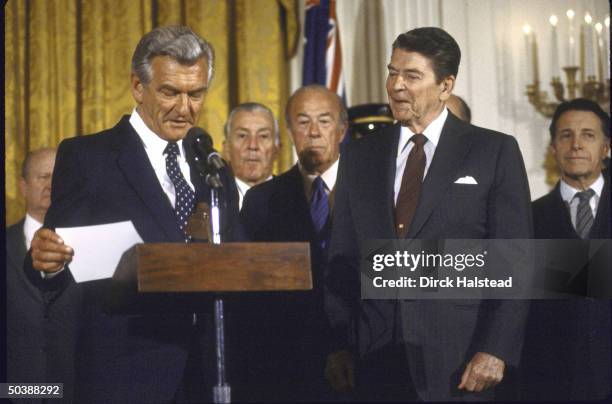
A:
(98, 249)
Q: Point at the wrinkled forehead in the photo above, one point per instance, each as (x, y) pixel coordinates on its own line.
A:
(315, 102)
(42, 161)
(258, 118)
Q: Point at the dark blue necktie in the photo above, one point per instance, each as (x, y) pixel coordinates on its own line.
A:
(184, 201)
(319, 210)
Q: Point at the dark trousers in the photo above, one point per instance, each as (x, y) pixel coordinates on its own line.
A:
(384, 376)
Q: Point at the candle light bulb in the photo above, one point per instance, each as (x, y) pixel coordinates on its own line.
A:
(553, 20)
(587, 18)
(526, 29)
(598, 27)
(570, 14)
(607, 22)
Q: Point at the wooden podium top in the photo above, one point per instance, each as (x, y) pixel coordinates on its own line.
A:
(229, 267)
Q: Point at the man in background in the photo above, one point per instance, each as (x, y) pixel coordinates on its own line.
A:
(459, 108)
(251, 145)
(34, 353)
(25, 308)
(291, 330)
(567, 353)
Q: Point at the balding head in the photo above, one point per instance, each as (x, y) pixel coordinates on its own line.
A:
(317, 121)
(459, 108)
(35, 182)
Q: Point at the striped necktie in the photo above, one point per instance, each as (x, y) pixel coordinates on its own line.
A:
(584, 214)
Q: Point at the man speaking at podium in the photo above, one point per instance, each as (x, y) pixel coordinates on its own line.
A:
(135, 171)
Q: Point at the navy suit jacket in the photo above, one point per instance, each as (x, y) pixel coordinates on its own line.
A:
(551, 218)
(25, 313)
(440, 337)
(288, 336)
(105, 178)
(40, 340)
(568, 353)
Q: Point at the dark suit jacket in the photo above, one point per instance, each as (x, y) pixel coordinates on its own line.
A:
(567, 353)
(440, 337)
(288, 331)
(40, 340)
(551, 218)
(123, 357)
(25, 342)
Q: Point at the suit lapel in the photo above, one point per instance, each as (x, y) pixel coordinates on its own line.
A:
(299, 208)
(377, 162)
(452, 148)
(564, 225)
(601, 225)
(136, 167)
(17, 246)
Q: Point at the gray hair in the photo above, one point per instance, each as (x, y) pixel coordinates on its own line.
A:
(252, 107)
(178, 42)
(317, 87)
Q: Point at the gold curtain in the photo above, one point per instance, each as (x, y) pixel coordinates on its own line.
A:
(67, 66)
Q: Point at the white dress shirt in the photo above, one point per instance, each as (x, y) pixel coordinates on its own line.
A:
(432, 133)
(30, 225)
(568, 194)
(154, 147)
(243, 187)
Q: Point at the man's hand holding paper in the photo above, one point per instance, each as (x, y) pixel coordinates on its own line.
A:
(49, 253)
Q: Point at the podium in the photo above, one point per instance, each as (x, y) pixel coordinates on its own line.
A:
(186, 269)
(228, 267)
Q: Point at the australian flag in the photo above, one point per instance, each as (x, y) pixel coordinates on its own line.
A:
(322, 51)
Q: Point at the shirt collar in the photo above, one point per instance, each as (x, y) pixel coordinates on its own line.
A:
(568, 192)
(153, 144)
(328, 177)
(30, 225)
(432, 132)
(242, 186)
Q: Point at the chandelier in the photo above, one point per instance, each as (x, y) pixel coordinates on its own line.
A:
(587, 72)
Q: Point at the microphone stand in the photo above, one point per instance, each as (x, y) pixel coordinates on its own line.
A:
(222, 391)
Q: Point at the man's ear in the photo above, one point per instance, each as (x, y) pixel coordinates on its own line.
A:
(137, 88)
(606, 148)
(446, 86)
(225, 150)
(552, 148)
(344, 130)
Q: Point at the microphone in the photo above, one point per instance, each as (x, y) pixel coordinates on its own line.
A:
(206, 158)
(203, 147)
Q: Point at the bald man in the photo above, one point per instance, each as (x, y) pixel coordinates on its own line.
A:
(31, 356)
(459, 108)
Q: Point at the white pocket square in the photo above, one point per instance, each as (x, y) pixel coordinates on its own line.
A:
(466, 180)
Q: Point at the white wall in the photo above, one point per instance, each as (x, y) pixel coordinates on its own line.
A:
(492, 72)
